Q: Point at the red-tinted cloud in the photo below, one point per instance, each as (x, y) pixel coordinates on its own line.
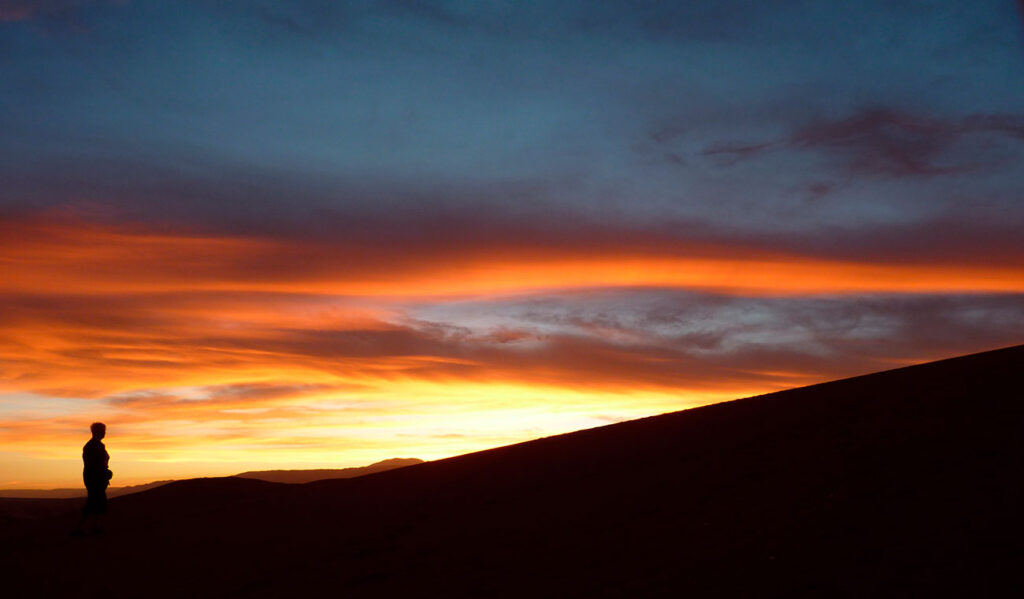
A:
(892, 143)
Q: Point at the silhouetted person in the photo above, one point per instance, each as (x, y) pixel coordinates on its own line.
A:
(96, 476)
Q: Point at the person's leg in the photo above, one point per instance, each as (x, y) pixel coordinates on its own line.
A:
(90, 512)
(101, 508)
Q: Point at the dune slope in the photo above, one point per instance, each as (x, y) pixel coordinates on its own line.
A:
(901, 483)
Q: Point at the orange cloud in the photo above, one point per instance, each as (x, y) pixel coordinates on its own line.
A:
(84, 258)
(271, 351)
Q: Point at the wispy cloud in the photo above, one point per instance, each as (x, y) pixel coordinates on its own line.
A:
(890, 143)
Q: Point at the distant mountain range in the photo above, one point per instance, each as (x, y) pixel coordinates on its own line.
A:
(274, 476)
(308, 476)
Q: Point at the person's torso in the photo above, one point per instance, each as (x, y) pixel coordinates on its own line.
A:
(95, 457)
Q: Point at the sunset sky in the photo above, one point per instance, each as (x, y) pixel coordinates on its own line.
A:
(309, 234)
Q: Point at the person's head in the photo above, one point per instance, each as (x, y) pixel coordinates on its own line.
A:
(99, 430)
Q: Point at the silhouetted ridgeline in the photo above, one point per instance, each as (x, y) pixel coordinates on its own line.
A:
(280, 476)
(305, 476)
(76, 492)
(905, 483)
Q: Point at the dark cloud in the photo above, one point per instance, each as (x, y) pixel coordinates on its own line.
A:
(970, 235)
(895, 144)
(890, 143)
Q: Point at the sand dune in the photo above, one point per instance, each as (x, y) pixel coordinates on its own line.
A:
(902, 483)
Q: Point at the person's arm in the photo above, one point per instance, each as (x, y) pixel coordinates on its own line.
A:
(106, 463)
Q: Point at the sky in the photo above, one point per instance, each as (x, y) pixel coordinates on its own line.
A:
(252, 235)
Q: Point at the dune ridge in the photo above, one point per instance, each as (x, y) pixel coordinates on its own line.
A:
(900, 483)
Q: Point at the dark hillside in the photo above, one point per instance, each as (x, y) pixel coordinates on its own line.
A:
(902, 483)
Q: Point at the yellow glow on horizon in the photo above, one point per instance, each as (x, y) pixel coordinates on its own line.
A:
(413, 419)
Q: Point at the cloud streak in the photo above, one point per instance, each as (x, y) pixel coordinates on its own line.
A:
(888, 143)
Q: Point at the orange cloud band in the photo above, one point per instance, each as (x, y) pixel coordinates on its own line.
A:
(86, 258)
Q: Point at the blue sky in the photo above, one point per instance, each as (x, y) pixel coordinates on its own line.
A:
(639, 111)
